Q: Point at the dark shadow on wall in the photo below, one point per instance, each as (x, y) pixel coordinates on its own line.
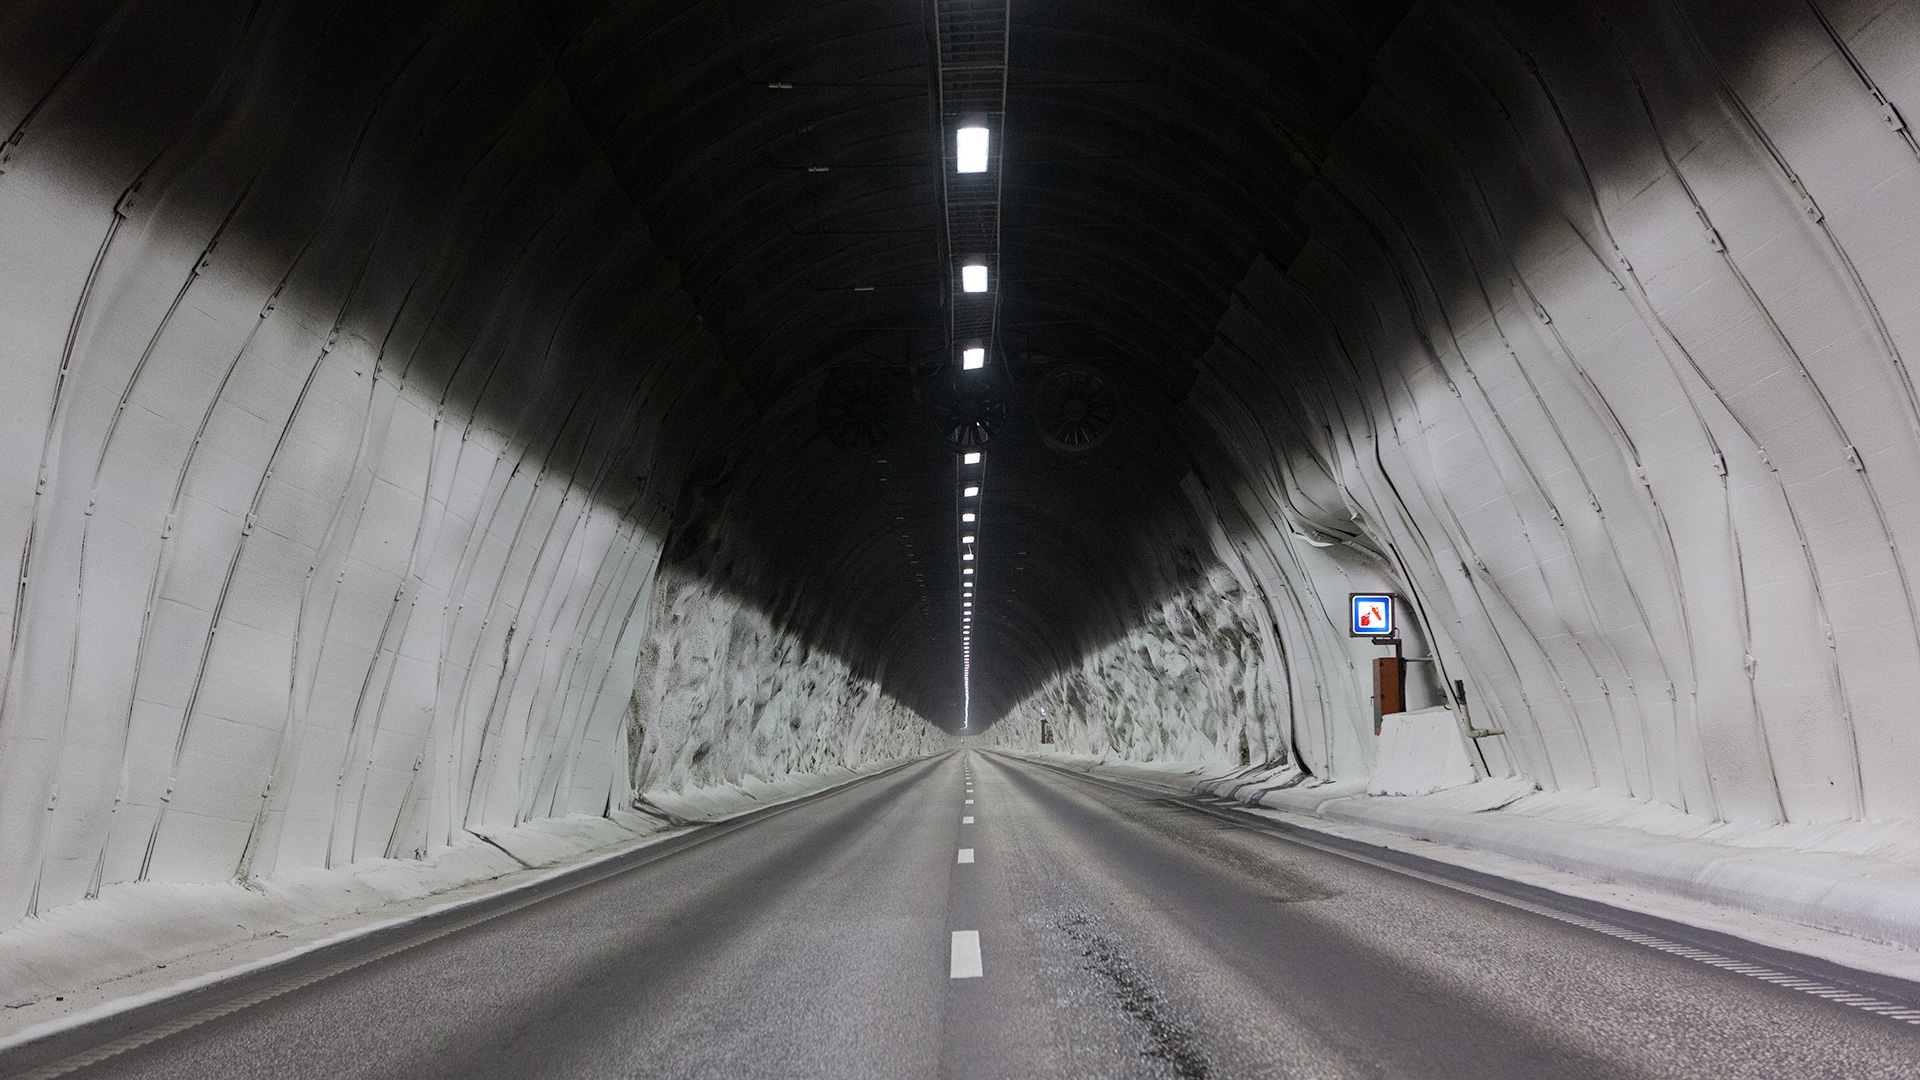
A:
(634, 243)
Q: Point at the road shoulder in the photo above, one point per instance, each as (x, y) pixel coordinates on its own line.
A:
(142, 943)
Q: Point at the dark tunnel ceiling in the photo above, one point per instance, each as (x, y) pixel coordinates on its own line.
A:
(786, 157)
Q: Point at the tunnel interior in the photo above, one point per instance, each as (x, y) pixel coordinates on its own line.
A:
(427, 417)
(789, 164)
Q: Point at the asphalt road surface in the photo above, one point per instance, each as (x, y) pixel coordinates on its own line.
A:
(1116, 932)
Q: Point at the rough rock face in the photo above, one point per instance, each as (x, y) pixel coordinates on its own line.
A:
(1193, 682)
(722, 695)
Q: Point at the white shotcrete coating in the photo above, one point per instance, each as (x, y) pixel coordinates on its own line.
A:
(1183, 686)
(723, 696)
(1599, 355)
(336, 499)
(1420, 753)
(337, 481)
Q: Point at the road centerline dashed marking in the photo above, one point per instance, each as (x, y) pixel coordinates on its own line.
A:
(968, 820)
(964, 959)
(966, 854)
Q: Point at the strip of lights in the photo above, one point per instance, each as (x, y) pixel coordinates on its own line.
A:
(972, 478)
(972, 69)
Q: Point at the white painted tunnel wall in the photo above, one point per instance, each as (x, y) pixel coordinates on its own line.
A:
(318, 459)
(324, 457)
(1599, 353)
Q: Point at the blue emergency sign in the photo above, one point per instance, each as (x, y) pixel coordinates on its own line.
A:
(1372, 615)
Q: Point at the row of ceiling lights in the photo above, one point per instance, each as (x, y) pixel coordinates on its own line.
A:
(972, 474)
(971, 67)
(970, 156)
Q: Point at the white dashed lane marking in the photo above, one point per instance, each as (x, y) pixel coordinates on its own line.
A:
(968, 820)
(965, 961)
(966, 854)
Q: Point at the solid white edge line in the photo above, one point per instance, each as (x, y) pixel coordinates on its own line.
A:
(542, 875)
(1704, 957)
(964, 959)
(1800, 984)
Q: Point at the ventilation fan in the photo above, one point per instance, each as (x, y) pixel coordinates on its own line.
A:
(1075, 407)
(970, 420)
(858, 406)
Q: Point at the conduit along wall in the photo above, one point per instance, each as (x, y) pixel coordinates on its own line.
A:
(348, 407)
(1596, 348)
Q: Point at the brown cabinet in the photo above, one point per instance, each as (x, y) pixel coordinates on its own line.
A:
(1389, 688)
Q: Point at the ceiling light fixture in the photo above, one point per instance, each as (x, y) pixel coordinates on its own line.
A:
(970, 150)
(966, 517)
(969, 492)
(973, 278)
(972, 458)
(974, 359)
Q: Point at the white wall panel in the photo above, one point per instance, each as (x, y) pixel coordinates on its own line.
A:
(347, 403)
(1597, 352)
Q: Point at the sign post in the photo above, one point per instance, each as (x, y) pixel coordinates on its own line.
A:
(1371, 616)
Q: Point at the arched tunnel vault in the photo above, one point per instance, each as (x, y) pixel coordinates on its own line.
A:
(785, 158)
(425, 417)
(1593, 346)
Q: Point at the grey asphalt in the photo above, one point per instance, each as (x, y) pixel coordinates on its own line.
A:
(1123, 934)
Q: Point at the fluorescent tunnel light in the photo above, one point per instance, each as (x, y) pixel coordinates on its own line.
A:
(973, 278)
(972, 458)
(970, 150)
(970, 492)
(975, 359)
